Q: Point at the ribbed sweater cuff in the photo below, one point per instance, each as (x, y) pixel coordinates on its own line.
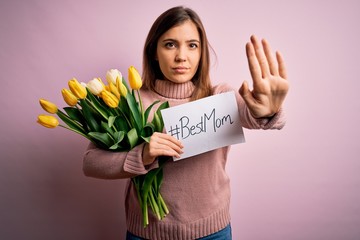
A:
(275, 122)
(133, 162)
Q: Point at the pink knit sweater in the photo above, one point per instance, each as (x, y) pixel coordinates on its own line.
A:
(196, 189)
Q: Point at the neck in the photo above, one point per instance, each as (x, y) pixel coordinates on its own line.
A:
(174, 90)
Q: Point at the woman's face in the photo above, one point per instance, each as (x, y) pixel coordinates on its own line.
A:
(178, 52)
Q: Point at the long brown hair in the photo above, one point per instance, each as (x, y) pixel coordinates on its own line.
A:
(151, 69)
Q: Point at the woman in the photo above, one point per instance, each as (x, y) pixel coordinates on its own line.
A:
(196, 189)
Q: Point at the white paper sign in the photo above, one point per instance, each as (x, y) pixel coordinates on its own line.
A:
(205, 124)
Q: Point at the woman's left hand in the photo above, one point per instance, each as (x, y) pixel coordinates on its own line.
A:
(270, 84)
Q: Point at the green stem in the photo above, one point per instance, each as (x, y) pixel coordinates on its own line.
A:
(99, 111)
(163, 204)
(123, 114)
(154, 204)
(141, 108)
(145, 213)
(69, 121)
(75, 131)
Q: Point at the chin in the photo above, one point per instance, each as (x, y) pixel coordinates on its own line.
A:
(179, 80)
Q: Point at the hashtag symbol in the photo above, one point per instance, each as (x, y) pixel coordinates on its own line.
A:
(175, 131)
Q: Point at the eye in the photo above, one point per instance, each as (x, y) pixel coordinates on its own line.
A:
(193, 45)
(170, 45)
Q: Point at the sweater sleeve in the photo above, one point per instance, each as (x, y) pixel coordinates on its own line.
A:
(105, 164)
(247, 120)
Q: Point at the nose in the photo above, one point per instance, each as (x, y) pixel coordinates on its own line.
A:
(180, 55)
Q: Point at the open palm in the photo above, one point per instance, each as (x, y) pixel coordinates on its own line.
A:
(270, 84)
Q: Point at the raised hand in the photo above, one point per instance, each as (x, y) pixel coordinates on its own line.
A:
(161, 144)
(270, 84)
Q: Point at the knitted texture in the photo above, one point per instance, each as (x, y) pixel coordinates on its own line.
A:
(196, 189)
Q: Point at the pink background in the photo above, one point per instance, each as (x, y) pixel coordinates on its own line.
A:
(301, 183)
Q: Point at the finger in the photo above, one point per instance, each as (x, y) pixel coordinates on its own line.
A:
(165, 141)
(167, 137)
(163, 151)
(156, 149)
(261, 57)
(167, 152)
(254, 66)
(246, 94)
(282, 68)
(172, 140)
(270, 58)
(170, 145)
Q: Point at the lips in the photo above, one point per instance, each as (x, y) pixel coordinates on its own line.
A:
(180, 69)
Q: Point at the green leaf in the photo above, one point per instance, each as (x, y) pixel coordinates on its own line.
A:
(106, 128)
(157, 122)
(118, 136)
(121, 124)
(160, 127)
(159, 179)
(98, 105)
(148, 180)
(132, 137)
(123, 106)
(111, 121)
(135, 113)
(90, 116)
(74, 113)
(126, 85)
(102, 137)
(147, 131)
(70, 122)
(147, 111)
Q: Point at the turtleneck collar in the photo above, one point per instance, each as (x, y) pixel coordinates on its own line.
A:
(172, 90)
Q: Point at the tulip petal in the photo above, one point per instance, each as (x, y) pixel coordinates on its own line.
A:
(48, 121)
(48, 106)
(77, 89)
(134, 78)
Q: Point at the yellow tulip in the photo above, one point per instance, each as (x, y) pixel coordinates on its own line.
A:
(121, 87)
(69, 97)
(123, 90)
(77, 89)
(114, 90)
(112, 75)
(110, 99)
(134, 78)
(48, 106)
(48, 121)
(95, 86)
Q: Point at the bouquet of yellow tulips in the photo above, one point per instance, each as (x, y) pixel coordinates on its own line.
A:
(112, 117)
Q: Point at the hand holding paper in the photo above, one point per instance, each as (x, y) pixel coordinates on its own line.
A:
(161, 144)
(205, 124)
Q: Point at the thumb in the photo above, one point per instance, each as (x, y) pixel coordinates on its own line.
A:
(245, 92)
(247, 95)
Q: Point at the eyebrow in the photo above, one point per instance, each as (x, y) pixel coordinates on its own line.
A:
(174, 40)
